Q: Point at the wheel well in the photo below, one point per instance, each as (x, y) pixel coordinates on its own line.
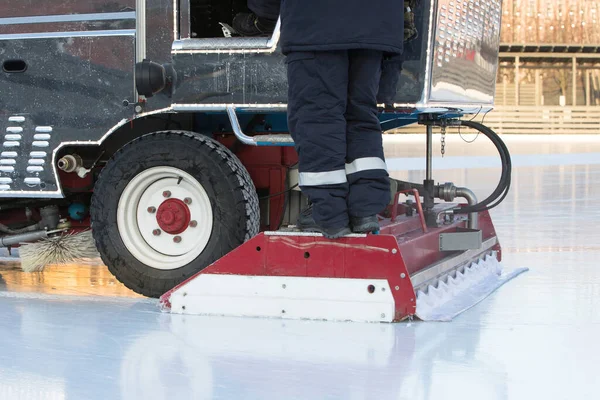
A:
(130, 131)
(96, 156)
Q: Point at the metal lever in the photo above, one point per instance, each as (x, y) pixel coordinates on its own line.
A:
(237, 129)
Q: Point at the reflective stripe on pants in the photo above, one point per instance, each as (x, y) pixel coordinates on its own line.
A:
(365, 164)
(322, 178)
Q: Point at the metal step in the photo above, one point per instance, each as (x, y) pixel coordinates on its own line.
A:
(273, 140)
(258, 140)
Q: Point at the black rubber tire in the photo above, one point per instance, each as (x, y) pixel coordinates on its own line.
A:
(236, 215)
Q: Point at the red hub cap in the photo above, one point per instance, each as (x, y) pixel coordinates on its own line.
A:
(173, 216)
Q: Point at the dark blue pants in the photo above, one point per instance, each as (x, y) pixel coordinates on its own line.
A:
(333, 118)
(268, 9)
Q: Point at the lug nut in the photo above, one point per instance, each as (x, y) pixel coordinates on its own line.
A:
(151, 210)
(156, 232)
(187, 200)
(193, 223)
(177, 239)
(166, 193)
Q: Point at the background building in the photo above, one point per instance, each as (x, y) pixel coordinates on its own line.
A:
(549, 68)
(549, 54)
(549, 75)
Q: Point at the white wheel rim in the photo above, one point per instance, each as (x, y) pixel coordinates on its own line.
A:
(137, 224)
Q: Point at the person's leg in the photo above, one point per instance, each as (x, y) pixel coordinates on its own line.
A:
(369, 191)
(261, 21)
(318, 89)
(390, 77)
(267, 9)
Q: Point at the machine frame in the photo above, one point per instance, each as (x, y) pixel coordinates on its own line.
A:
(85, 84)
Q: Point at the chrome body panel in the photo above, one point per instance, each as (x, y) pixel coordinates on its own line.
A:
(464, 33)
(464, 51)
(49, 109)
(80, 59)
(46, 8)
(78, 86)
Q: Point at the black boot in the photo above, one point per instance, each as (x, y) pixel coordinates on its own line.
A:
(307, 223)
(364, 224)
(249, 24)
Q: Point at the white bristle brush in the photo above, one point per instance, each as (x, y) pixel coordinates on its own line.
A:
(63, 249)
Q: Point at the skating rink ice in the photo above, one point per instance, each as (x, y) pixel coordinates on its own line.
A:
(75, 333)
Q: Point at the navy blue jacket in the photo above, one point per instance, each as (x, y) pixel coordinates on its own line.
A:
(322, 25)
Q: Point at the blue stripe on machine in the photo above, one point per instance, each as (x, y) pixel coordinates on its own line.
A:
(275, 144)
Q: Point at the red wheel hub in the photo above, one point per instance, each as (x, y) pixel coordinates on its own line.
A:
(173, 216)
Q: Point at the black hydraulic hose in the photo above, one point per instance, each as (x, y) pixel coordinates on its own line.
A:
(501, 190)
(503, 187)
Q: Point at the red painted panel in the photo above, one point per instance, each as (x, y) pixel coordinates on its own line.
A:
(373, 257)
(401, 250)
(285, 256)
(422, 249)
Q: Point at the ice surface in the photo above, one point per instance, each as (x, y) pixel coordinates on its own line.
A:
(535, 338)
(463, 289)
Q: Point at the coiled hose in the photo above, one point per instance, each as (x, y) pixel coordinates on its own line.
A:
(501, 191)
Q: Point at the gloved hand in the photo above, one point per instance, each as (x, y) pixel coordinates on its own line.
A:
(410, 29)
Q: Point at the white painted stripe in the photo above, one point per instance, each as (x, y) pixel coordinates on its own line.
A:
(32, 181)
(365, 164)
(322, 178)
(38, 154)
(35, 169)
(12, 136)
(333, 299)
(8, 161)
(43, 129)
(40, 144)
(68, 18)
(14, 129)
(16, 118)
(41, 136)
(7, 169)
(9, 154)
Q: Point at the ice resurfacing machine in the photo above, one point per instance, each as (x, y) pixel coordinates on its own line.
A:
(141, 120)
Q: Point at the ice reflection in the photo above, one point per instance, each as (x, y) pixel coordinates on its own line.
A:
(79, 280)
(264, 359)
(128, 350)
